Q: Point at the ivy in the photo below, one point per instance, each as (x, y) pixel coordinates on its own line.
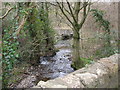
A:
(107, 49)
(98, 15)
(9, 51)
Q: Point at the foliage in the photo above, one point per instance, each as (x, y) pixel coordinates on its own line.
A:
(105, 51)
(37, 34)
(17, 73)
(107, 48)
(0, 77)
(30, 43)
(10, 54)
(87, 61)
(9, 49)
(98, 14)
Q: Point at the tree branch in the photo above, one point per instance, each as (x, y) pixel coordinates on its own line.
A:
(84, 10)
(21, 25)
(64, 13)
(53, 4)
(62, 7)
(66, 23)
(83, 6)
(7, 12)
(71, 11)
(65, 9)
(84, 17)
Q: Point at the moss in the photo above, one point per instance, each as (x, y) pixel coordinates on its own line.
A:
(85, 61)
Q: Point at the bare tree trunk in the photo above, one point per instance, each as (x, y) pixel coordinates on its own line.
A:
(76, 26)
(47, 31)
(76, 38)
(76, 49)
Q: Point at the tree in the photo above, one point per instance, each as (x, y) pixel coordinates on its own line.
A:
(25, 36)
(40, 32)
(73, 12)
(44, 15)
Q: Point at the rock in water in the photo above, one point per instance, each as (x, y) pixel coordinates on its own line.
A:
(65, 37)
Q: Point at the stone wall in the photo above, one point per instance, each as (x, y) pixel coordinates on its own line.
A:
(101, 74)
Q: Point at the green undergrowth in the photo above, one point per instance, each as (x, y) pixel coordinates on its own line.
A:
(106, 50)
(17, 73)
(86, 61)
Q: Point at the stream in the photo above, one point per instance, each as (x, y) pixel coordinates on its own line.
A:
(58, 65)
(51, 67)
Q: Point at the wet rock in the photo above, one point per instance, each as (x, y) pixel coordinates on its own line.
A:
(65, 36)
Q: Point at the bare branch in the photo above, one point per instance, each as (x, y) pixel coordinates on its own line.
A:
(66, 23)
(71, 11)
(7, 12)
(85, 5)
(89, 7)
(84, 17)
(62, 7)
(76, 10)
(53, 4)
(84, 10)
(64, 13)
(65, 9)
(21, 25)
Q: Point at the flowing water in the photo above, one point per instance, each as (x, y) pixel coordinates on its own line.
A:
(50, 67)
(58, 65)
